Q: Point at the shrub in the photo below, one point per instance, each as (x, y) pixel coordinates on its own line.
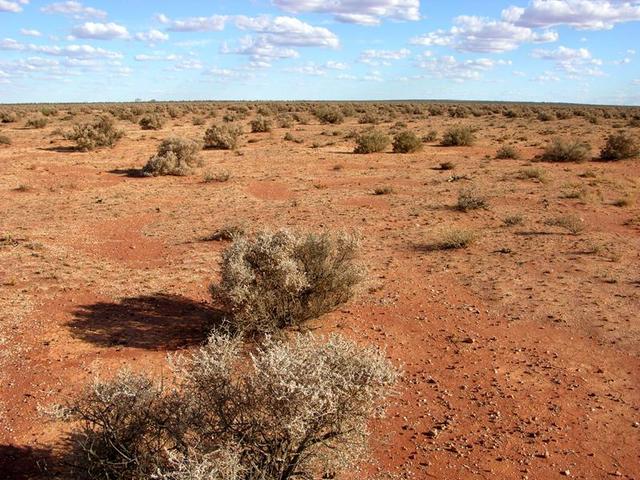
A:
(406, 142)
(280, 279)
(8, 117)
(222, 176)
(470, 199)
(447, 166)
(151, 122)
(385, 190)
(371, 142)
(571, 223)
(513, 220)
(4, 139)
(260, 124)
(546, 116)
(99, 133)
(38, 122)
(175, 156)
(452, 239)
(507, 151)
(432, 136)
(222, 137)
(198, 121)
(560, 150)
(620, 146)
(329, 114)
(228, 232)
(458, 137)
(532, 173)
(369, 118)
(289, 410)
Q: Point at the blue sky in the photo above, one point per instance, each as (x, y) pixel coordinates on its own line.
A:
(520, 50)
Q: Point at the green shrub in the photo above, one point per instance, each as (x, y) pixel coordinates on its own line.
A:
(151, 122)
(620, 146)
(222, 137)
(458, 137)
(260, 124)
(371, 142)
(280, 279)
(560, 150)
(406, 142)
(175, 156)
(99, 133)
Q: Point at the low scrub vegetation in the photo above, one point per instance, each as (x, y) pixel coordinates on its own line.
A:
(560, 150)
(99, 133)
(222, 137)
(280, 279)
(470, 199)
(371, 141)
(37, 122)
(620, 146)
(290, 410)
(260, 124)
(5, 139)
(572, 223)
(507, 151)
(452, 239)
(151, 122)
(458, 137)
(175, 156)
(329, 114)
(406, 142)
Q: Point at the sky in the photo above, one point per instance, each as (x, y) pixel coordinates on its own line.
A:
(582, 51)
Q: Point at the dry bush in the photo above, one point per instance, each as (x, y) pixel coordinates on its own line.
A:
(513, 220)
(530, 173)
(470, 199)
(8, 117)
(371, 141)
(4, 139)
(406, 142)
(385, 190)
(507, 151)
(572, 223)
(217, 177)
(175, 156)
(432, 136)
(151, 122)
(281, 279)
(329, 114)
(222, 137)
(560, 150)
(458, 137)
(228, 232)
(369, 117)
(37, 122)
(99, 133)
(290, 410)
(452, 239)
(260, 124)
(620, 146)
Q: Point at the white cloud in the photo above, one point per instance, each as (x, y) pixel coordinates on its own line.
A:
(573, 62)
(288, 31)
(74, 9)
(449, 67)
(214, 23)
(546, 77)
(156, 57)
(76, 51)
(188, 64)
(382, 57)
(152, 36)
(30, 32)
(477, 34)
(100, 31)
(579, 14)
(12, 6)
(308, 69)
(259, 50)
(363, 12)
(333, 65)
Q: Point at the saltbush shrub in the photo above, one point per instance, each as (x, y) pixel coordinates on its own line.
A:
(37, 122)
(101, 132)
(560, 150)
(329, 114)
(222, 137)
(260, 124)
(275, 280)
(620, 146)
(507, 151)
(175, 156)
(371, 141)
(151, 122)
(4, 139)
(458, 137)
(406, 142)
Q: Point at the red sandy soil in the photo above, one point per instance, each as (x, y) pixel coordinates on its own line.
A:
(520, 353)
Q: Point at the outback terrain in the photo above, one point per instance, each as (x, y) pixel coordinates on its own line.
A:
(519, 343)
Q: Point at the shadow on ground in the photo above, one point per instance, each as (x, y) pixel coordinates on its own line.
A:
(153, 322)
(25, 463)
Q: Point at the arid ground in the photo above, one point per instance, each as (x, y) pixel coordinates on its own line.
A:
(520, 352)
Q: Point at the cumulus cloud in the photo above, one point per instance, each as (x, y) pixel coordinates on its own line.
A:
(308, 69)
(155, 58)
(152, 36)
(573, 62)
(214, 23)
(259, 50)
(12, 6)
(478, 34)
(449, 67)
(73, 9)
(76, 51)
(333, 65)
(382, 57)
(363, 12)
(101, 31)
(288, 31)
(579, 14)
(30, 32)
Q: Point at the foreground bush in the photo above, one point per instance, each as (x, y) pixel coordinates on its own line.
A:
(280, 279)
(175, 156)
(458, 137)
(560, 150)
(222, 137)
(260, 124)
(620, 146)
(99, 133)
(297, 410)
(371, 142)
(151, 122)
(406, 142)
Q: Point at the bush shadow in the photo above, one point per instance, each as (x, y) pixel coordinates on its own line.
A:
(20, 462)
(152, 322)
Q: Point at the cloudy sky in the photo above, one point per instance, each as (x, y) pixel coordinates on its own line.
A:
(529, 50)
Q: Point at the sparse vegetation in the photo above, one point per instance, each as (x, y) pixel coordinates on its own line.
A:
(5, 139)
(458, 137)
(175, 156)
(228, 232)
(560, 150)
(99, 133)
(620, 146)
(372, 141)
(37, 122)
(280, 279)
(222, 137)
(219, 177)
(506, 152)
(452, 239)
(385, 190)
(571, 223)
(406, 142)
(151, 122)
(260, 124)
(470, 199)
(513, 220)
(329, 114)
